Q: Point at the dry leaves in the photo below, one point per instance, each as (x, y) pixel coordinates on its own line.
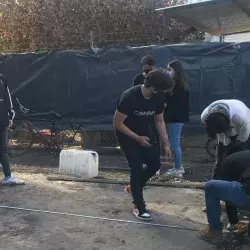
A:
(34, 25)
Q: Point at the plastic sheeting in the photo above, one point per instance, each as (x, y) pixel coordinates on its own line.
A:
(81, 84)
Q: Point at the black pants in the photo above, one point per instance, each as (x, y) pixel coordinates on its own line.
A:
(222, 153)
(4, 158)
(136, 156)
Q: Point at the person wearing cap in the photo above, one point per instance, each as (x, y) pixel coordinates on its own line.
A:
(148, 64)
(229, 122)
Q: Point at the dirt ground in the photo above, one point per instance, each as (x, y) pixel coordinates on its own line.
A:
(24, 230)
(197, 163)
(39, 231)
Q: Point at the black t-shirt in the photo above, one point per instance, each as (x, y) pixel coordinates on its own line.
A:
(177, 106)
(140, 112)
(139, 80)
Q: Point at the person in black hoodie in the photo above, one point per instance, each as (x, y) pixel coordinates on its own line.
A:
(6, 120)
(176, 113)
(234, 189)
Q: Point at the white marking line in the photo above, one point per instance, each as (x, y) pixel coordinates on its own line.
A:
(98, 218)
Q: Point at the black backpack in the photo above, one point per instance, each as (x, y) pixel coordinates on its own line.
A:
(4, 102)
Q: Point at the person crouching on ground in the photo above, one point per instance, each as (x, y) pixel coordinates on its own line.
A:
(229, 122)
(234, 189)
(138, 121)
(6, 120)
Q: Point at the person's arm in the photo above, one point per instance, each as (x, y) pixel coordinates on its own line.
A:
(118, 123)
(243, 127)
(161, 129)
(159, 121)
(204, 115)
(9, 104)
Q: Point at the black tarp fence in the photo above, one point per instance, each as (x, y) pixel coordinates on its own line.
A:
(65, 80)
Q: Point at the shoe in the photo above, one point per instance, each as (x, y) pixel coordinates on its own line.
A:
(127, 191)
(173, 169)
(231, 227)
(173, 172)
(12, 181)
(242, 228)
(183, 170)
(212, 235)
(142, 215)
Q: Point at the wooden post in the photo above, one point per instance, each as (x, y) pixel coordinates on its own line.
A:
(165, 26)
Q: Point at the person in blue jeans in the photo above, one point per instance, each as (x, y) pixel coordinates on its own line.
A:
(234, 189)
(176, 113)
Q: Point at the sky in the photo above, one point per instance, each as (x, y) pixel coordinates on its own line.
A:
(196, 1)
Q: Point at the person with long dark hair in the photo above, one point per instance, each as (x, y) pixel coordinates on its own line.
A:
(176, 113)
(7, 115)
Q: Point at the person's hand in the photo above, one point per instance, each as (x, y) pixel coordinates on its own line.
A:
(242, 227)
(144, 141)
(10, 123)
(167, 152)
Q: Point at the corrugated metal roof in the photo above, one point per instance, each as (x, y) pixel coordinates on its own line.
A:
(216, 17)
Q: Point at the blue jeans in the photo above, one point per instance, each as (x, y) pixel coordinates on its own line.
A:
(174, 134)
(230, 192)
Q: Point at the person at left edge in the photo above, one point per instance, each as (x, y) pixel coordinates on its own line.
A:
(138, 120)
(7, 115)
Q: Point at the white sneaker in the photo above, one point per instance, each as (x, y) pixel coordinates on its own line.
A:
(12, 181)
(142, 216)
(182, 170)
(175, 173)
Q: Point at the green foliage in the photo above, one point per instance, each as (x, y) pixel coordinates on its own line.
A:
(31, 25)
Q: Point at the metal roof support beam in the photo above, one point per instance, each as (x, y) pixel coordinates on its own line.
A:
(242, 7)
(165, 25)
(193, 23)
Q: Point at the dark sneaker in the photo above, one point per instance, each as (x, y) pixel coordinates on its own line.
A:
(143, 215)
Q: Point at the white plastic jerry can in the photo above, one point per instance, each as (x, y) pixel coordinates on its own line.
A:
(80, 163)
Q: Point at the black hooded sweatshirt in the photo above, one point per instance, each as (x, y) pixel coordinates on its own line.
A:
(236, 167)
(6, 108)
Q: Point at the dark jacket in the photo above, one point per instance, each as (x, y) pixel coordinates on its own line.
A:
(236, 167)
(139, 80)
(177, 106)
(6, 108)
